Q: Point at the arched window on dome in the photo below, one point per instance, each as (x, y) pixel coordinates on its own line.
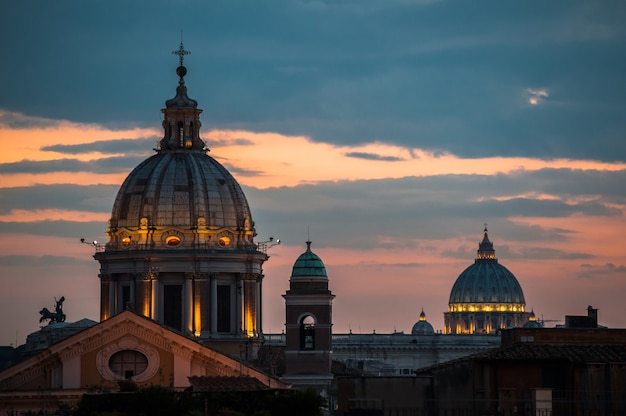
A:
(307, 333)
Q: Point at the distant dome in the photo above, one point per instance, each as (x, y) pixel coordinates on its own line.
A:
(486, 281)
(309, 264)
(532, 321)
(422, 327)
(486, 296)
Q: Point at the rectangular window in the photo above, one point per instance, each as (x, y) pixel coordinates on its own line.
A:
(126, 302)
(223, 308)
(173, 306)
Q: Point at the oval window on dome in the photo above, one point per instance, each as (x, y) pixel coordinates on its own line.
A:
(172, 240)
(224, 241)
(126, 241)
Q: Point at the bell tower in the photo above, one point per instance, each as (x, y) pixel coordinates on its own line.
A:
(308, 305)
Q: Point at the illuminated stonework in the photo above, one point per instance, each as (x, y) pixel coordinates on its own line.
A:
(486, 297)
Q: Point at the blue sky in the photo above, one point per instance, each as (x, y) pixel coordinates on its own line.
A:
(391, 130)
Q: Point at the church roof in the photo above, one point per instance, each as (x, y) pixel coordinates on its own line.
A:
(486, 281)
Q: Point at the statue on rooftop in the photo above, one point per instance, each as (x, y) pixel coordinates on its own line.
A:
(57, 315)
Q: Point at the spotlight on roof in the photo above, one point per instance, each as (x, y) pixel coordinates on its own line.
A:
(265, 245)
(94, 243)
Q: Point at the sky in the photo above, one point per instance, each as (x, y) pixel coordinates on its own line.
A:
(388, 132)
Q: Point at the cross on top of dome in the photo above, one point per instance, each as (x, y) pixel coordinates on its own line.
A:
(181, 52)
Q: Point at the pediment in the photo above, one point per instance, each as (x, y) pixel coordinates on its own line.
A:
(126, 333)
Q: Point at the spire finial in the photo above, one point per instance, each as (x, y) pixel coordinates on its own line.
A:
(181, 52)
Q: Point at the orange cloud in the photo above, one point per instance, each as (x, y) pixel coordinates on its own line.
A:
(276, 159)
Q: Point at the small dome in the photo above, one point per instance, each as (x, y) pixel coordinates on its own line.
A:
(486, 281)
(309, 264)
(532, 321)
(422, 327)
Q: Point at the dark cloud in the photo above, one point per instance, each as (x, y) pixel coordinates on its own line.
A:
(93, 230)
(444, 76)
(93, 198)
(359, 214)
(40, 261)
(373, 156)
(594, 271)
(103, 165)
(240, 171)
(543, 253)
(124, 146)
(216, 141)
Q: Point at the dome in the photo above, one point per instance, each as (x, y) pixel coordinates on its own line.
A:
(486, 281)
(181, 245)
(532, 321)
(180, 196)
(422, 327)
(180, 189)
(309, 264)
(486, 297)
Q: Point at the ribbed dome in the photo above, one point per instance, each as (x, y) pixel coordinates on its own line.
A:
(178, 188)
(486, 281)
(309, 265)
(181, 196)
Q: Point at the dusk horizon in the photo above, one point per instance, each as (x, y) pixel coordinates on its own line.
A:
(389, 134)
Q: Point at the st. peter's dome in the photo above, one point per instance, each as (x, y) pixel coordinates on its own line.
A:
(486, 281)
(486, 296)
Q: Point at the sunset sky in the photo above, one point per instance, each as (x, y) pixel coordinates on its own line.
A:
(386, 131)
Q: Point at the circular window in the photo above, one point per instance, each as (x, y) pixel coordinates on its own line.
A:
(128, 363)
(126, 241)
(224, 241)
(172, 240)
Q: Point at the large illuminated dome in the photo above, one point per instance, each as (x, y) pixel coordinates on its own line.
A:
(181, 248)
(485, 297)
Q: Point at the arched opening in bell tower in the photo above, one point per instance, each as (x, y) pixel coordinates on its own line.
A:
(307, 332)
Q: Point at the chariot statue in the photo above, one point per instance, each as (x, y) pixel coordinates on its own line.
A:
(57, 315)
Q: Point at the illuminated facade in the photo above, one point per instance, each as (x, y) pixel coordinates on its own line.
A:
(181, 248)
(486, 297)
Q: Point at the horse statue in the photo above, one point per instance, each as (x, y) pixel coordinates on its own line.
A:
(57, 315)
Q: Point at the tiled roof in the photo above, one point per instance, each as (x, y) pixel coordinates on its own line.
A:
(207, 384)
(571, 353)
(614, 353)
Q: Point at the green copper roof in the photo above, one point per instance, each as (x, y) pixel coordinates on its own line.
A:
(309, 264)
